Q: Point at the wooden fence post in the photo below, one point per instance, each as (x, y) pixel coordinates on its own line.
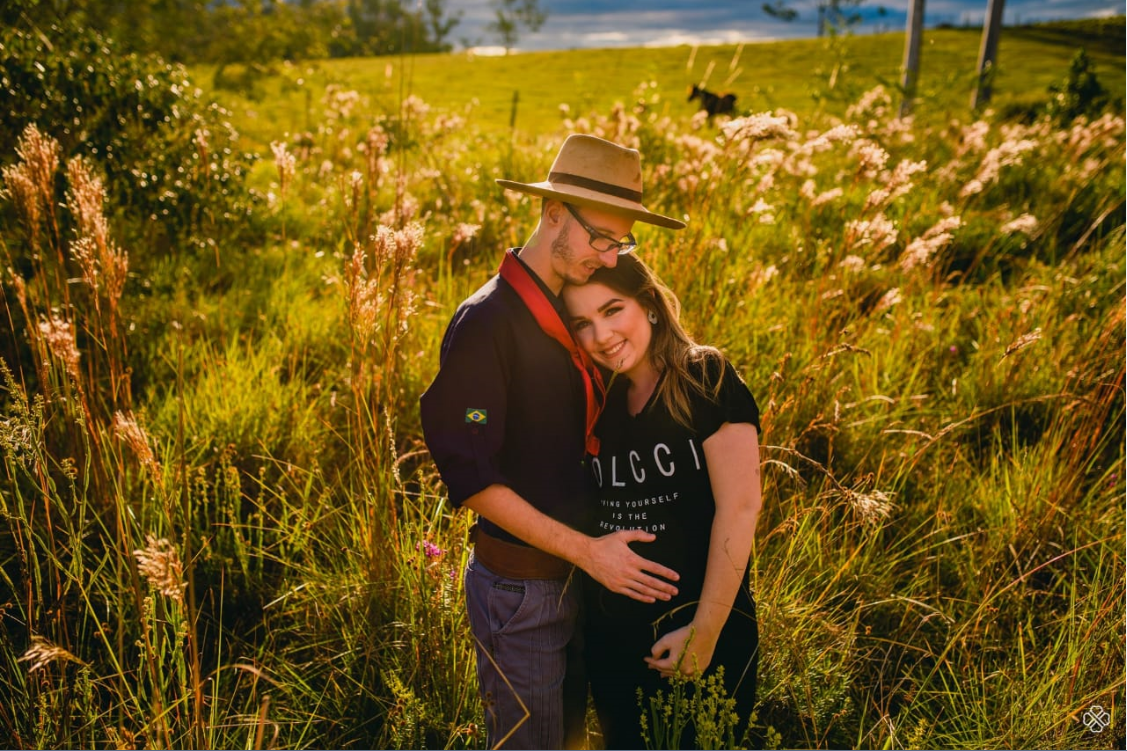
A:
(911, 55)
(988, 52)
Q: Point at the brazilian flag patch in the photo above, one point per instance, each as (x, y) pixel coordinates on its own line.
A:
(477, 416)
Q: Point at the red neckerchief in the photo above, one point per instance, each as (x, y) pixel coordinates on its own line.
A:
(514, 272)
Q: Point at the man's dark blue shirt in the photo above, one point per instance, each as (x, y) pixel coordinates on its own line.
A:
(507, 407)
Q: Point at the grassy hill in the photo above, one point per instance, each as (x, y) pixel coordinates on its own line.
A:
(804, 76)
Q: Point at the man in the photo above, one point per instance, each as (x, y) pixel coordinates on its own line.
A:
(508, 419)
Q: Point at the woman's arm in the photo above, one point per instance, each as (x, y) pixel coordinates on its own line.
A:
(732, 453)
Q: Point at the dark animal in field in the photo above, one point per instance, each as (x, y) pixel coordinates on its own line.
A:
(713, 104)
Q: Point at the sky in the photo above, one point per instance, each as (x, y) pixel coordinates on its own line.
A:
(575, 24)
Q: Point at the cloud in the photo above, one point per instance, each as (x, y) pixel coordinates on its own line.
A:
(611, 37)
(647, 23)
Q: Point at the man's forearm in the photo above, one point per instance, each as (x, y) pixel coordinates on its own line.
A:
(501, 505)
(608, 559)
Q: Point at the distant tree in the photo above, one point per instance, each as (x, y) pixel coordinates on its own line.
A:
(171, 29)
(779, 10)
(192, 31)
(833, 15)
(511, 15)
(439, 23)
(838, 15)
(248, 32)
(384, 27)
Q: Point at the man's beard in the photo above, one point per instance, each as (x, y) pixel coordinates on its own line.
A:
(565, 258)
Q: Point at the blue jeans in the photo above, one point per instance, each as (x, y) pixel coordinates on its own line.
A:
(528, 640)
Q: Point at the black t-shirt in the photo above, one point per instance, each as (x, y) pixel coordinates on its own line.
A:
(651, 474)
(508, 407)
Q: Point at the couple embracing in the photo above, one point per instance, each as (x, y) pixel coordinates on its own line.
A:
(576, 417)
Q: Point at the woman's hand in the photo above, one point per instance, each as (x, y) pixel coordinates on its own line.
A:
(686, 651)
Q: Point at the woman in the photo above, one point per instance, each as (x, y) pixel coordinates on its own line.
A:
(679, 457)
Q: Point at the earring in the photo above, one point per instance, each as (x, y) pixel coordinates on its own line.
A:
(652, 317)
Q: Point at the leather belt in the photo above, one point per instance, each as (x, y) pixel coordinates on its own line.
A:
(515, 561)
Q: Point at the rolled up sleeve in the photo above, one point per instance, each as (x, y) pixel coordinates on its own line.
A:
(464, 410)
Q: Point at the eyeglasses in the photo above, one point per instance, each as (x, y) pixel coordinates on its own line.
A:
(602, 242)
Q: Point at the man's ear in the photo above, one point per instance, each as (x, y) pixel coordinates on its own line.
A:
(554, 212)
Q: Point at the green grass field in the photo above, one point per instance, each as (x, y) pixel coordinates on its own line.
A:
(221, 525)
(793, 75)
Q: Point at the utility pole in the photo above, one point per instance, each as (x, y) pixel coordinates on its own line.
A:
(911, 55)
(988, 52)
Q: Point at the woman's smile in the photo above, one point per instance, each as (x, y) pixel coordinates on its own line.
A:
(612, 351)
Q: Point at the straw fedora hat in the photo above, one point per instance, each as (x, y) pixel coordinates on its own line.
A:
(593, 172)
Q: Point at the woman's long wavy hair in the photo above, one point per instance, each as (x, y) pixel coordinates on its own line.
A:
(687, 368)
